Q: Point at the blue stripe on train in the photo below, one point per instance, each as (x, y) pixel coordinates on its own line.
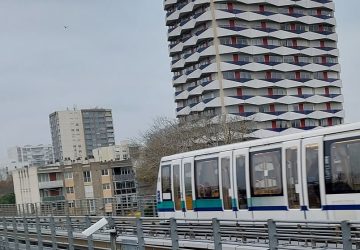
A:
(341, 207)
(204, 209)
(268, 208)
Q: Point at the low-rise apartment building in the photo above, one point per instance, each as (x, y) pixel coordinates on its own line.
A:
(79, 188)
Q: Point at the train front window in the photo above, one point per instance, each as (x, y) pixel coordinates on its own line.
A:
(266, 173)
(166, 182)
(342, 166)
(312, 173)
(292, 177)
(241, 182)
(207, 179)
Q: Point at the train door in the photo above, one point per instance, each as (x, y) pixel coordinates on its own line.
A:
(226, 184)
(188, 187)
(176, 181)
(208, 203)
(292, 180)
(266, 182)
(241, 180)
(313, 178)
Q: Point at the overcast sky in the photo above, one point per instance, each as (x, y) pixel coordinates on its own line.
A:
(112, 55)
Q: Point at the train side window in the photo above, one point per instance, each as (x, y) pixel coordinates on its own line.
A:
(292, 177)
(226, 183)
(177, 193)
(342, 171)
(266, 173)
(241, 182)
(188, 186)
(207, 179)
(312, 173)
(166, 182)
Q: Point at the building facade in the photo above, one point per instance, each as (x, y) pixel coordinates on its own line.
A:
(75, 133)
(274, 62)
(29, 155)
(67, 134)
(82, 188)
(98, 129)
(112, 153)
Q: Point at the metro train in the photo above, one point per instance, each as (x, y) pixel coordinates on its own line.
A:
(312, 175)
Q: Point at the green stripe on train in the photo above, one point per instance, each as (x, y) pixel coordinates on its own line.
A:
(207, 203)
(166, 205)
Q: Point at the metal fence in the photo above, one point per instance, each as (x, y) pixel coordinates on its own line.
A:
(23, 233)
(122, 205)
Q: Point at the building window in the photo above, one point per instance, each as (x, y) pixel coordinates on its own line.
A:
(266, 173)
(87, 176)
(68, 175)
(70, 190)
(108, 200)
(105, 172)
(207, 179)
(106, 186)
(342, 160)
(71, 204)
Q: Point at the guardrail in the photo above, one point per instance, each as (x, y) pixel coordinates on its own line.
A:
(182, 233)
(121, 205)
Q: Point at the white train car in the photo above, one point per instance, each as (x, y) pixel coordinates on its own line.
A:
(314, 175)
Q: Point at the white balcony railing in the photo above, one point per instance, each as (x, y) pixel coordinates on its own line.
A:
(51, 184)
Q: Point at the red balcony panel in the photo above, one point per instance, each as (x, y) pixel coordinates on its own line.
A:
(273, 124)
(235, 57)
(299, 89)
(327, 91)
(233, 40)
(272, 108)
(241, 109)
(265, 41)
(328, 106)
(261, 8)
(239, 92)
(267, 58)
(232, 23)
(301, 106)
(302, 123)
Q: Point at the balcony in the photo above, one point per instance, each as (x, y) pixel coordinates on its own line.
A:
(53, 198)
(51, 184)
(124, 177)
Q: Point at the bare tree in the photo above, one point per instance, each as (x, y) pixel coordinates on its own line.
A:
(168, 136)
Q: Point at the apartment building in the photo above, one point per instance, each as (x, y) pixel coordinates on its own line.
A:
(93, 187)
(113, 153)
(75, 133)
(29, 155)
(274, 62)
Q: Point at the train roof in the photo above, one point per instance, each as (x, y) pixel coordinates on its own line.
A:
(267, 141)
